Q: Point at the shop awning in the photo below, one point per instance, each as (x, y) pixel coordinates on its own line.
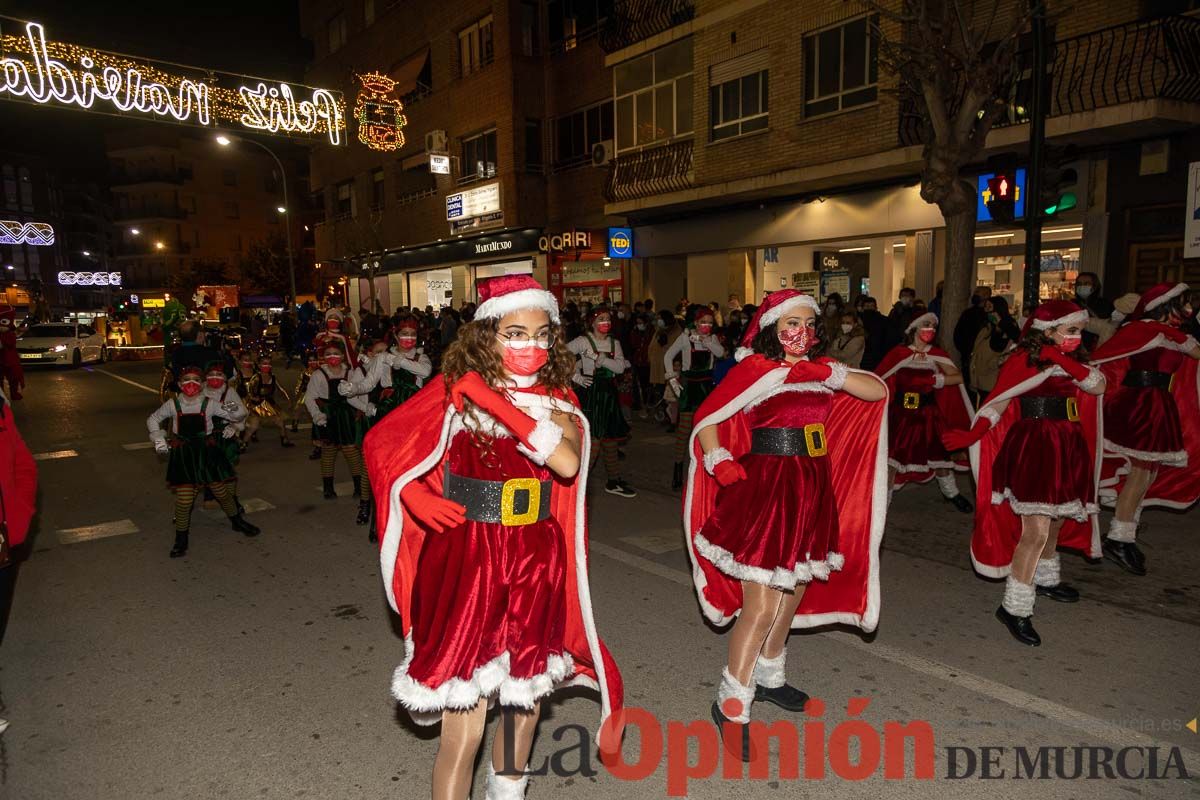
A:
(408, 71)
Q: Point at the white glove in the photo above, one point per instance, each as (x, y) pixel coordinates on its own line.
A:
(694, 338)
(372, 409)
(160, 447)
(230, 406)
(228, 432)
(320, 419)
(676, 387)
(345, 389)
(583, 380)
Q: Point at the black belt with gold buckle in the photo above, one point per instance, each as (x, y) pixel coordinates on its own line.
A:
(519, 501)
(806, 441)
(914, 400)
(1147, 379)
(1050, 408)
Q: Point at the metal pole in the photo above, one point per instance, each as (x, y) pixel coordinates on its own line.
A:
(1033, 181)
(287, 217)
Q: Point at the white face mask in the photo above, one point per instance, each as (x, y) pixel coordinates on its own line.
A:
(847, 327)
(1084, 291)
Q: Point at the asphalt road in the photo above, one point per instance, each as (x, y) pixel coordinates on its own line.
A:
(260, 668)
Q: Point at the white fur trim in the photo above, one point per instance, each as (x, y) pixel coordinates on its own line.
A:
(1075, 509)
(505, 304)
(990, 414)
(778, 578)
(1094, 383)
(1018, 597)
(714, 457)
(1117, 316)
(1121, 531)
(1048, 571)
(771, 673)
(921, 320)
(742, 353)
(1080, 316)
(1167, 296)
(929, 467)
(775, 314)
(1174, 458)
(948, 485)
(939, 381)
(784, 388)
(544, 440)
(500, 787)
(732, 689)
(837, 378)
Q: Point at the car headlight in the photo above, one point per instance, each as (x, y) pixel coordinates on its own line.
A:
(58, 348)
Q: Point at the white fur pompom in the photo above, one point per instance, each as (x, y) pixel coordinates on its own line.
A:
(742, 353)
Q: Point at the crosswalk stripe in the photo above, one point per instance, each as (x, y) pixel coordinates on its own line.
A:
(142, 386)
(252, 505)
(103, 530)
(53, 454)
(138, 446)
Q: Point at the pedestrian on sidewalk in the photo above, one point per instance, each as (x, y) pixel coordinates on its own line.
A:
(599, 363)
(1034, 446)
(785, 490)
(484, 558)
(336, 418)
(18, 495)
(697, 348)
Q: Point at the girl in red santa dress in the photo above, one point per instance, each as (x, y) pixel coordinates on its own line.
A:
(1035, 455)
(785, 503)
(927, 398)
(1151, 418)
(481, 480)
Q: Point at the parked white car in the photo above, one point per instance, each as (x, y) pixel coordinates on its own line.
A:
(61, 343)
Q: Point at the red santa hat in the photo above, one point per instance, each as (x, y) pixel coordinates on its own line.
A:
(191, 372)
(921, 320)
(774, 307)
(505, 294)
(1156, 296)
(1056, 312)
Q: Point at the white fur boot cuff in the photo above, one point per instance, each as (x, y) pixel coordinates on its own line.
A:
(502, 788)
(1018, 597)
(1048, 572)
(1120, 531)
(731, 689)
(770, 673)
(948, 485)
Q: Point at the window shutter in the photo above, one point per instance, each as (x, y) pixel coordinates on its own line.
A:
(739, 67)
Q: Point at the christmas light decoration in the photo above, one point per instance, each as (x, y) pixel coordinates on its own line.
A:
(39, 71)
(89, 278)
(379, 116)
(38, 234)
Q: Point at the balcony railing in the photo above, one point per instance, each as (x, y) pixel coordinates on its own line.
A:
(1156, 59)
(650, 172)
(128, 177)
(635, 20)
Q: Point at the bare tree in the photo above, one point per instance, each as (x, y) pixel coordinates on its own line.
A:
(363, 239)
(956, 66)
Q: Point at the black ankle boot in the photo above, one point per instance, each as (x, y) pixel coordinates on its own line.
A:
(787, 697)
(327, 483)
(181, 544)
(723, 724)
(677, 476)
(1127, 555)
(961, 503)
(358, 486)
(315, 454)
(1020, 627)
(364, 513)
(241, 525)
(1062, 593)
(372, 535)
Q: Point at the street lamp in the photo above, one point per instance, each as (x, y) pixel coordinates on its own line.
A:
(225, 140)
(134, 231)
(87, 253)
(159, 245)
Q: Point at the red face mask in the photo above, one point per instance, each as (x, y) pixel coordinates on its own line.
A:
(216, 383)
(333, 361)
(407, 342)
(265, 368)
(191, 388)
(704, 328)
(1070, 344)
(526, 360)
(927, 335)
(604, 326)
(797, 341)
(333, 325)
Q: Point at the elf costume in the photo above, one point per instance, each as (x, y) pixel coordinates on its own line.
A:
(697, 348)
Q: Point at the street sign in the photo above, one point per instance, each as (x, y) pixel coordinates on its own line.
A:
(473, 202)
(439, 164)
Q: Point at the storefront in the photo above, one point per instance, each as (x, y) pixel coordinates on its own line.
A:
(587, 265)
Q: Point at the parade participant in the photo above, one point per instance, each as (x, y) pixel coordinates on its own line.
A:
(927, 399)
(697, 349)
(262, 404)
(10, 359)
(1035, 456)
(785, 504)
(361, 381)
(334, 323)
(600, 361)
(217, 390)
(1151, 418)
(484, 554)
(312, 363)
(243, 374)
(336, 417)
(190, 462)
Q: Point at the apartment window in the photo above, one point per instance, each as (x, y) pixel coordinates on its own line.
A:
(10, 186)
(572, 21)
(479, 156)
(344, 200)
(576, 134)
(475, 47)
(369, 12)
(377, 190)
(841, 67)
(196, 238)
(189, 205)
(229, 177)
(531, 40)
(25, 183)
(337, 32)
(737, 96)
(534, 162)
(654, 96)
(231, 209)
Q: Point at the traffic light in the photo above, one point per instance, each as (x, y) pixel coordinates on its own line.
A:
(1002, 200)
(1058, 180)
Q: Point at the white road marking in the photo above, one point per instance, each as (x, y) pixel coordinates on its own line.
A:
(53, 454)
(87, 533)
(656, 543)
(151, 389)
(252, 505)
(1022, 701)
(343, 489)
(138, 446)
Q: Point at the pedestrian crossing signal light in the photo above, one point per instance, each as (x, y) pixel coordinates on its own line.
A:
(1002, 199)
(1059, 177)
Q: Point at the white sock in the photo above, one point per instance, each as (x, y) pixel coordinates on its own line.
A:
(1120, 531)
(1047, 572)
(1018, 597)
(769, 673)
(948, 485)
(502, 788)
(730, 688)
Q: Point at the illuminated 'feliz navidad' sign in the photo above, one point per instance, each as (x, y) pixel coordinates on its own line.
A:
(35, 70)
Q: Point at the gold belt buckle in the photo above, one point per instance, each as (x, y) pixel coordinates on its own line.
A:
(814, 437)
(1072, 409)
(911, 400)
(508, 496)
(1171, 382)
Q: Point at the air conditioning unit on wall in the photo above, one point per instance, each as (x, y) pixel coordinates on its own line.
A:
(602, 153)
(436, 142)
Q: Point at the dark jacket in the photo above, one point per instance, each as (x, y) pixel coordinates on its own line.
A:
(879, 338)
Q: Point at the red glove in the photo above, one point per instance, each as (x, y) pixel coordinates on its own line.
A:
(955, 440)
(472, 387)
(805, 371)
(729, 472)
(433, 512)
(1076, 369)
(922, 383)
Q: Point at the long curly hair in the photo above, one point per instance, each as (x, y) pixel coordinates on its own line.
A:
(766, 342)
(1033, 342)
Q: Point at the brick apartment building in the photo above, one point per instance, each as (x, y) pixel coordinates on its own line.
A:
(750, 144)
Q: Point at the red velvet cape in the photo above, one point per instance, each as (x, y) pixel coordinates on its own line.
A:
(857, 443)
(410, 444)
(997, 528)
(952, 401)
(1175, 487)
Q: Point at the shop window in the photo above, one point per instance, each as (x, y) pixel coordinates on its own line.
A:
(475, 47)
(479, 157)
(343, 205)
(531, 38)
(570, 22)
(576, 134)
(737, 96)
(654, 96)
(378, 198)
(841, 67)
(534, 161)
(337, 32)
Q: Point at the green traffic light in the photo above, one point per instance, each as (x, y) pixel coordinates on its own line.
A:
(1066, 201)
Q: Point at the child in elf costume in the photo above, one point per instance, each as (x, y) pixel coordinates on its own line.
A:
(697, 348)
(600, 363)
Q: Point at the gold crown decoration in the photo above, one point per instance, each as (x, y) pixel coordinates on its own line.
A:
(377, 82)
